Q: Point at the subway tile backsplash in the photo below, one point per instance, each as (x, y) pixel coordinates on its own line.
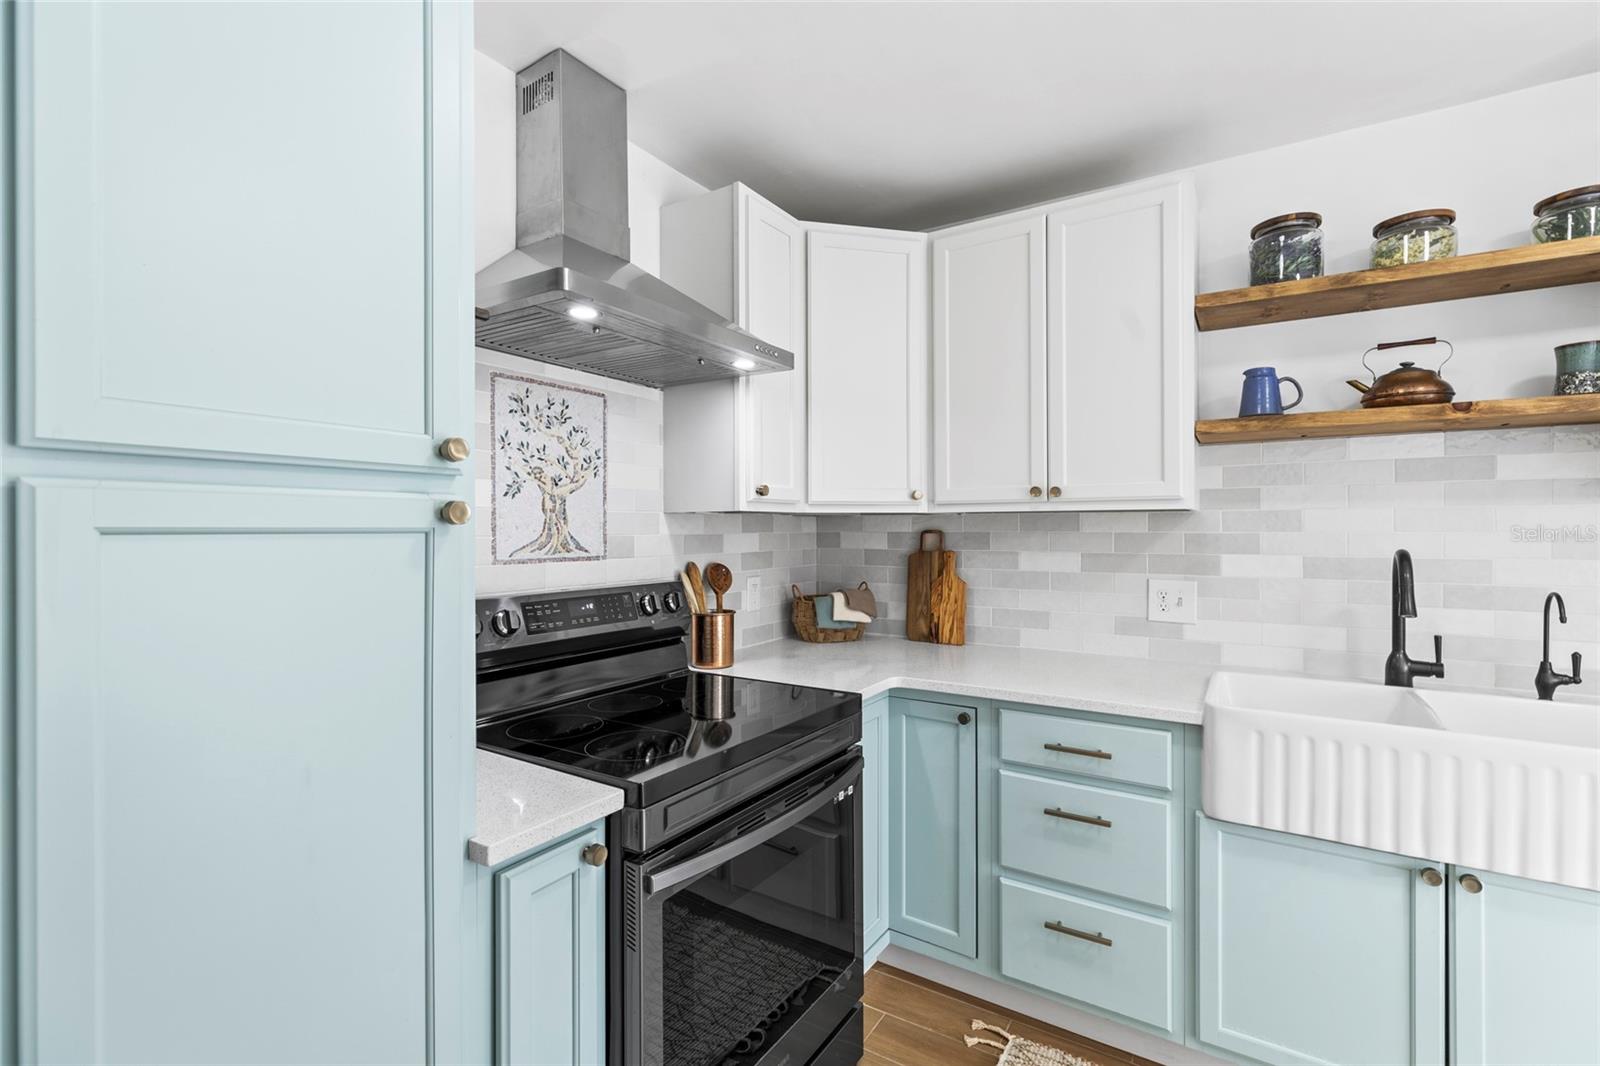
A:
(1290, 549)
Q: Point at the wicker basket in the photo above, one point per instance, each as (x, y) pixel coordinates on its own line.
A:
(804, 614)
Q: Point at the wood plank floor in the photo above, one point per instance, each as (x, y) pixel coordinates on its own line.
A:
(911, 1021)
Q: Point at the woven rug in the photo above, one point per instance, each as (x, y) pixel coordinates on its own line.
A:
(1020, 1051)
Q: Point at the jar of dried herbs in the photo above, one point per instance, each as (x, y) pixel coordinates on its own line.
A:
(1286, 248)
(1415, 237)
(1574, 213)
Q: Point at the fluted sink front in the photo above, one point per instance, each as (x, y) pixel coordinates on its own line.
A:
(1492, 782)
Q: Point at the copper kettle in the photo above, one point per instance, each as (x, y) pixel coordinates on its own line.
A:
(1408, 383)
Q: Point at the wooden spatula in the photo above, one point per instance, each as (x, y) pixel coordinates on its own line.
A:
(720, 578)
(691, 574)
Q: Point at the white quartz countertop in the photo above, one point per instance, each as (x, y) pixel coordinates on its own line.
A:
(1137, 688)
(522, 806)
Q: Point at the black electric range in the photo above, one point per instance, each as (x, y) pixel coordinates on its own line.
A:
(734, 930)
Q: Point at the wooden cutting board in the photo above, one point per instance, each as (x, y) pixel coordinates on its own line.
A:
(936, 599)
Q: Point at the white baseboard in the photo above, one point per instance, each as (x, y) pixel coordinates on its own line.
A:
(1034, 1006)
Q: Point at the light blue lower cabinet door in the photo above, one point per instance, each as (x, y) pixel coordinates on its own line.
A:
(241, 722)
(550, 959)
(1525, 971)
(933, 819)
(1311, 952)
(874, 821)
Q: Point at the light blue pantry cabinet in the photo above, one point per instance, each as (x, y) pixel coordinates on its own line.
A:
(1310, 952)
(240, 228)
(236, 278)
(1525, 971)
(549, 955)
(933, 816)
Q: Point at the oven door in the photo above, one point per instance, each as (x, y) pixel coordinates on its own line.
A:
(742, 943)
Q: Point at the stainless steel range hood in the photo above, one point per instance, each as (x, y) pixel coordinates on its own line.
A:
(568, 295)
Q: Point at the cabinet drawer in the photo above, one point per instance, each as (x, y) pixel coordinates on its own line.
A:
(1127, 970)
(1093, 749)
(1052, 828)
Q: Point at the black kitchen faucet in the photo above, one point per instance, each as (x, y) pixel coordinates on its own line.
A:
(1546, 681)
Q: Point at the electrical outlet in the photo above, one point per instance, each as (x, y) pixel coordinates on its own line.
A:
(1173, 601)
(752, 593)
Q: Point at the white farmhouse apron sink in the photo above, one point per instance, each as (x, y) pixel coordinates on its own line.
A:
(1493, 782)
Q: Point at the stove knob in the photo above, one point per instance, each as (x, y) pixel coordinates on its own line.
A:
(479, 631)
(647, 603)
(505, 623)
(672, 601)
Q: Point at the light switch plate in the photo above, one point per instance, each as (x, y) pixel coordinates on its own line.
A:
(1173, 601)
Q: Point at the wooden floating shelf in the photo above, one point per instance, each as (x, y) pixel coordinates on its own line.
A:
(1420, 418)
(1532, 266)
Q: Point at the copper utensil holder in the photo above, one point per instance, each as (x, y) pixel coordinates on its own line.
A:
(711, 640)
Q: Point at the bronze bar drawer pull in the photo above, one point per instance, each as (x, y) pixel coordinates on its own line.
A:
(1091, 753)
(1086, 819)
(1093, 938)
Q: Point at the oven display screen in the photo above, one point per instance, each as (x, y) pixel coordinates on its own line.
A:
(577, 612)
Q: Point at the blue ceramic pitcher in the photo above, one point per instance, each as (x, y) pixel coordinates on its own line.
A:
(1263, 393)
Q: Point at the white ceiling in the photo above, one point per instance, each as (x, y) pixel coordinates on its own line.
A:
(917, 114)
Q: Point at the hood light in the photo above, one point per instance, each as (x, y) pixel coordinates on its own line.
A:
(583, 312)
(742, 363)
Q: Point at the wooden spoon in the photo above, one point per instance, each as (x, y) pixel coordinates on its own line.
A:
(691, 573)
(720, 578)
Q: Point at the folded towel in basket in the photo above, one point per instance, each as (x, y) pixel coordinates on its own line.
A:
(842, 611)
(825, 619)
(861, 599)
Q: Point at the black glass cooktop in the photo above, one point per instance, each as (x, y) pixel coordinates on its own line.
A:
(655, 738)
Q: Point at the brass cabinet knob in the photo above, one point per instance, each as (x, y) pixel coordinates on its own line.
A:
(762, 490)
(1035, 491)
(964, 718)
(1055, 492)
(454, 449)
(916, 494)
(1431, 877)
(1471, 884)
(456, 512)
(594, 854)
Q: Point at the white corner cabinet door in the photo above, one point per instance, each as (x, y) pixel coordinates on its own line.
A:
(736, 445)
(989, 362)
(1120, 303)
(239, 821)
(243, 229)
(867, 330)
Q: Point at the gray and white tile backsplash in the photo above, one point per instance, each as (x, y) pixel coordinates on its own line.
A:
(642, 542)
(1290, 549)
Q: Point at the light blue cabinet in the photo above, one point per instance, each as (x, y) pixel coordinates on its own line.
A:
(1525, 971)
(550, 957)
(1310, 952)
(874, 822)
(242, 229)
(933, 833)
(239, 713)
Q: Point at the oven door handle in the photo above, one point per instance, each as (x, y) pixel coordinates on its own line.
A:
(707, 861)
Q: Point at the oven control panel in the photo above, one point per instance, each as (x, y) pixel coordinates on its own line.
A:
(514, 620)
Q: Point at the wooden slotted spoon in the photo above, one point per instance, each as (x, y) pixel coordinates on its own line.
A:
(720, 578)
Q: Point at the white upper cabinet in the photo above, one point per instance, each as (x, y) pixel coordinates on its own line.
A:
(1063, 352)
(867, 308)
(1120, 275)
(244, 229)
(734, 445)
(989, 362)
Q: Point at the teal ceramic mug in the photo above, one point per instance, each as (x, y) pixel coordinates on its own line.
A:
(1578, 368)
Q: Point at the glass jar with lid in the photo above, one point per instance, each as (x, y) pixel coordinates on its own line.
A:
(1415, 237)
(1286, 248)
(1567, 215)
